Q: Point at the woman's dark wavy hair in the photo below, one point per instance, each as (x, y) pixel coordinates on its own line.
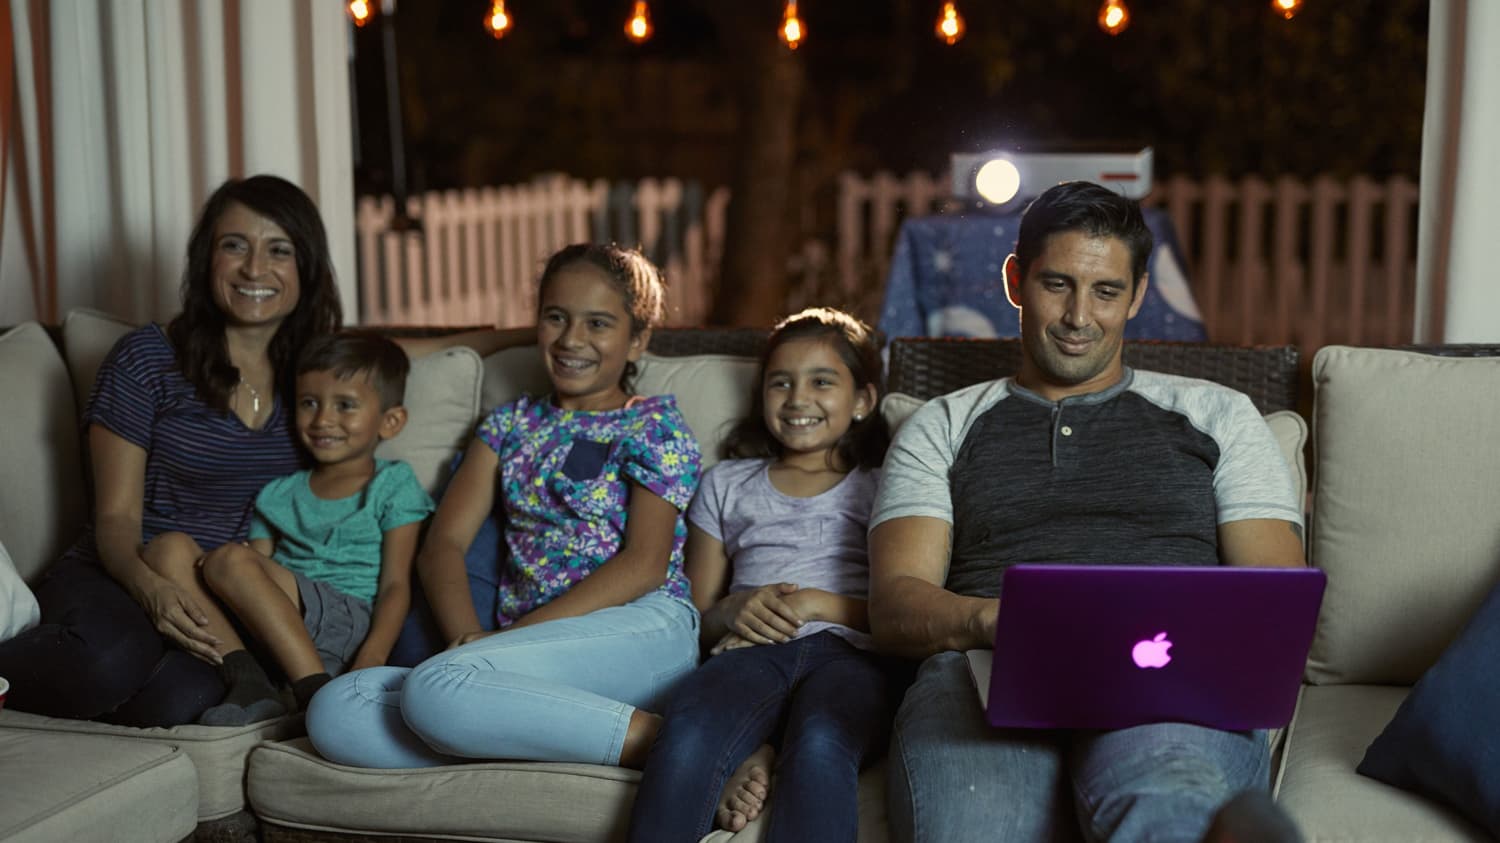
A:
(863, 445)
(197, 333)
(631, 273)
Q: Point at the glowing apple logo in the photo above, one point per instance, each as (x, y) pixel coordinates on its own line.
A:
(1152, 652)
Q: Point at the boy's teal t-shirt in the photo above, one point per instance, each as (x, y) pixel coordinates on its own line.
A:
(338, 541)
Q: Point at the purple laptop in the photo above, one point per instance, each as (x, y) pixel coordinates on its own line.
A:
(1105, 647)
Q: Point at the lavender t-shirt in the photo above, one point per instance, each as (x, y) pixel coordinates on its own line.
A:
(770, 537)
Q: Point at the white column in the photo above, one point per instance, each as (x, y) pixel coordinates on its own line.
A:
(1458, 293)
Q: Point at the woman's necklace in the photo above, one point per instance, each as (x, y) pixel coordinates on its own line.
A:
(254, 397)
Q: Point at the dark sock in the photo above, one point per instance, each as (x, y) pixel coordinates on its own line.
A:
(251, 696)
(304, 688)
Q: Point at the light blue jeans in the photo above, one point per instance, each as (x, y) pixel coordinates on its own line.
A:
(955, 777)
(562, 690)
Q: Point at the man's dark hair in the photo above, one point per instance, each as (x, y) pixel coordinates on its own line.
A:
(360, 352)
(1091, 209)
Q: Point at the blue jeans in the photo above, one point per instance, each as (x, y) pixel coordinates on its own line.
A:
(954, 777)
(562, 690)
(833, 699)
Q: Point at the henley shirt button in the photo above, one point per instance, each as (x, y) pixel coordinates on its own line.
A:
(1067, 431)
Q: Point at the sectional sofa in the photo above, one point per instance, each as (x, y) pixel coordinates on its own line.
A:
(1402, 492)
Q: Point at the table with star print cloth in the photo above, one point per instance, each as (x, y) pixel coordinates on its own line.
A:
(946, 281)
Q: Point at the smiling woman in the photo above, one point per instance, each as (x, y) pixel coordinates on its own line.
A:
(185, 424)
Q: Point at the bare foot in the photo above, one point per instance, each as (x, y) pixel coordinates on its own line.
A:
(745, 793)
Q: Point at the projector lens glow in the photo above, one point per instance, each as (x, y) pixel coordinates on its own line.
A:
(998, 181)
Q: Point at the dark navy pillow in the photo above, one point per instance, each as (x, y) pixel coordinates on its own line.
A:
(1444, 741)
(420, 636)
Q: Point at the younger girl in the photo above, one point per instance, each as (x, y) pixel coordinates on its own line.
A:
(595, 617)
(790, 640)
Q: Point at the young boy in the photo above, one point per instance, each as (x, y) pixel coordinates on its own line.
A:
(324, 581)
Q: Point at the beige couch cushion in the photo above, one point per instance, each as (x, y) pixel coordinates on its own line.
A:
(713, 390)
(1407, 480)
(88, 335)
(1329, 801)
(442, 404)
(290, 785)
(217, 752)
(1289, 429)
(81, 789)
(38, 442)
(873, 827)
(511, 373)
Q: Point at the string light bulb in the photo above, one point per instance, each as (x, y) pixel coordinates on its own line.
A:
(950, 24)
(498, 21)
(792, 30)
(639, 27)
(1114, 17)
(360, 11)
(1286, 8)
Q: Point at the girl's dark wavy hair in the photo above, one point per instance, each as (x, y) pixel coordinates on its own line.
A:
(197, 332)
(631, 273)
(864, 444)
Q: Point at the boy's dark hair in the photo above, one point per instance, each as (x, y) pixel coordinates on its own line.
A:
(864, 444)
(197, 332)
(1088, 208)
(360, 352)
(636, 278)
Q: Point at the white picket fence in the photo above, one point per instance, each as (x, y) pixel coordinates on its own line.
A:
(476, 255)
(1287, 261)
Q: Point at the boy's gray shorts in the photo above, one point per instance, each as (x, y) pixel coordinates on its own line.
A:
(337, 622)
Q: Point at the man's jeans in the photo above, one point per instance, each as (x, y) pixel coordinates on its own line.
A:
(955, 777)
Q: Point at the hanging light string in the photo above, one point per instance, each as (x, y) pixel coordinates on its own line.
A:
(638, 28)
(950, 24)
(1286, 8)
(1114, 18)
(498, 21)
(360, 11)
(792, 29)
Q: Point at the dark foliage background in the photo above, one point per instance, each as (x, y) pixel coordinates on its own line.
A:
(1216, 86)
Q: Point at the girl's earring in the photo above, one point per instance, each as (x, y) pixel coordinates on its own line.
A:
(858, 417)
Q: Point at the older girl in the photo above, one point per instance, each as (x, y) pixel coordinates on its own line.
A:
(596, 621)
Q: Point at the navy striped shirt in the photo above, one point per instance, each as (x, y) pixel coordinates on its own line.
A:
(203, 467)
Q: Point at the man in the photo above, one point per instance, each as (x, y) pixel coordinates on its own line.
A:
(1076, 459)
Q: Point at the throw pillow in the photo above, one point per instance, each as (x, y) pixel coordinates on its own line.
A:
(1444, 741)
(87, 337)
(713, 392)
(18, 609)
(41, 476)
(442, 407)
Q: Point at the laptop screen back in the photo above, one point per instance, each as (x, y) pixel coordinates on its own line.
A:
(1109, 647)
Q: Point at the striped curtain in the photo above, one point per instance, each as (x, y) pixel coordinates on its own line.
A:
(119, 117)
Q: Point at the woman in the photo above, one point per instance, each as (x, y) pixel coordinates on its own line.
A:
(184, 426)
